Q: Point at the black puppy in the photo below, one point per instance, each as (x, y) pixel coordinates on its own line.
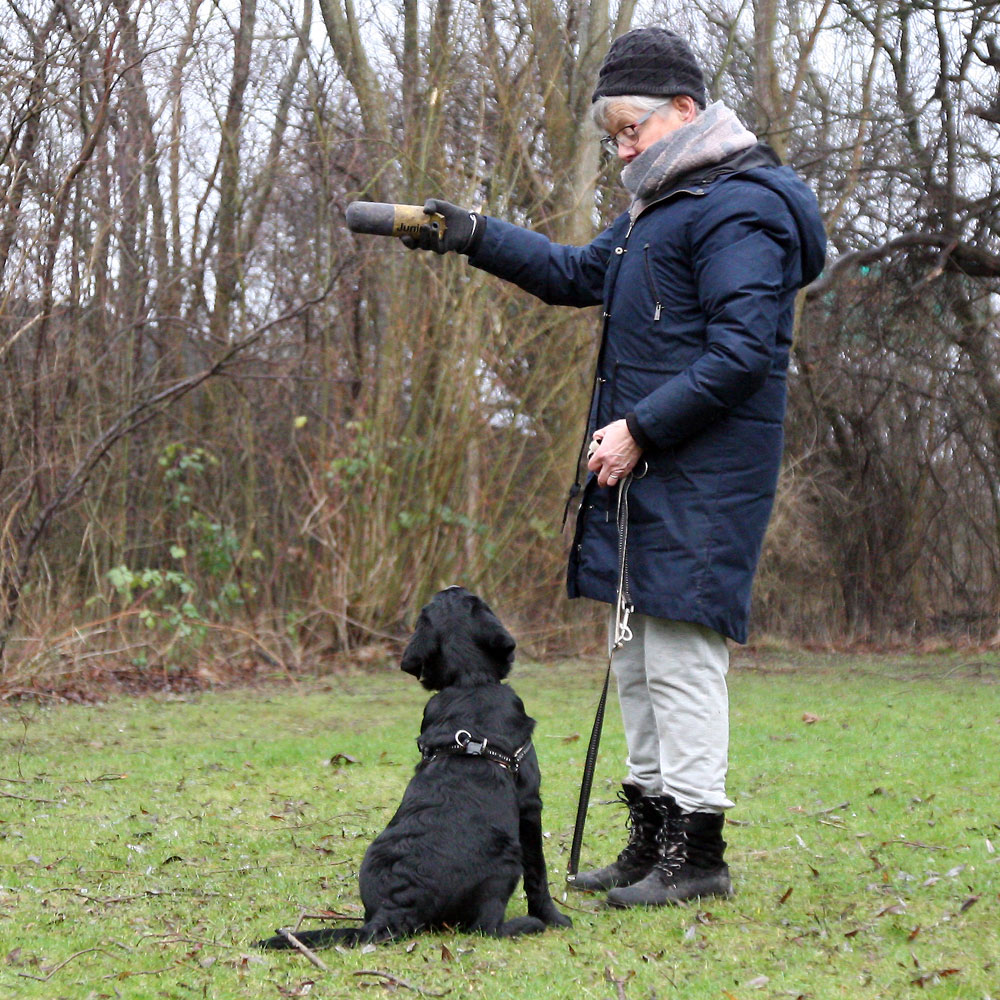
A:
(469, 825)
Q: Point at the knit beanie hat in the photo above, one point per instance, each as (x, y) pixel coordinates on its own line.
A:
(650, 62)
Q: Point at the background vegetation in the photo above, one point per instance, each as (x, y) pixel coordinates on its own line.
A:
(145, 844)
(226, 423)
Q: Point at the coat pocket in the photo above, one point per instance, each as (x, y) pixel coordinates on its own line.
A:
(632, 382)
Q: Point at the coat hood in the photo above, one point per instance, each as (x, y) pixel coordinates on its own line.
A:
(762, 165)
(799, 199)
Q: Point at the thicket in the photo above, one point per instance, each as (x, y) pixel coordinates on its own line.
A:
(228, 424)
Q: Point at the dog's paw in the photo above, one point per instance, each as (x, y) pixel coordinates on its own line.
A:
(521, 925)
(558, 919)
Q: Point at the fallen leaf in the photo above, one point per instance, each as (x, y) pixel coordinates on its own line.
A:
(343, 758)
(971, 901)
(930, 978)
(758, 983)
(446, 955)
(808, 718)
(913, 933)
(785, 895)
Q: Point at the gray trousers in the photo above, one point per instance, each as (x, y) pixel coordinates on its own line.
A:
(675, 705)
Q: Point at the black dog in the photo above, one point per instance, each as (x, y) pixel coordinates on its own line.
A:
(469, 825)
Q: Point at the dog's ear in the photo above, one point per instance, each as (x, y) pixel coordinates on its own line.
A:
(422, 651)
(493, 638)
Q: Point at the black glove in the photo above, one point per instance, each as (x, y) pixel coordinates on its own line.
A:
(463, 229)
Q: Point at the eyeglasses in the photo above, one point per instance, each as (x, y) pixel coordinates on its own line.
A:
(627, 136)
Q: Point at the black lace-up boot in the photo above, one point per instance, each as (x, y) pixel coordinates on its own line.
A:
(645, 820)
(690, 864)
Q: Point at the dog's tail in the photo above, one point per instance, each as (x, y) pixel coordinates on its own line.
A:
(326, 937)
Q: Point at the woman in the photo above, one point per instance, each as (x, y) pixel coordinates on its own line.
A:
(698, 281)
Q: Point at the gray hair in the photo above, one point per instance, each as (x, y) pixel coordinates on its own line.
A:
(601, 107)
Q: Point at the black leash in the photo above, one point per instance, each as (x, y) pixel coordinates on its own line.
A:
(622, 634)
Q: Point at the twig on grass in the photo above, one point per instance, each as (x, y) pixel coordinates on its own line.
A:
(619, 983)
(329, 915)
(396, 981)
(150, 972)
(299, 946)
(63, 964)
(920, 845)
(187, 939)
(27, 798)
(832, 809)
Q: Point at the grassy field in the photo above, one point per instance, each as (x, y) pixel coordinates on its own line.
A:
(145, 844)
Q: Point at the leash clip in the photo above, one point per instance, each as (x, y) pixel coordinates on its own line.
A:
(474, 748)
(623, 633)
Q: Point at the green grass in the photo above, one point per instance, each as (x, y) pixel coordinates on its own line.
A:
(152, 841)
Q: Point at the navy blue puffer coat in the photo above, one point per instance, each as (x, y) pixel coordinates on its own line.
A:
(698, 297)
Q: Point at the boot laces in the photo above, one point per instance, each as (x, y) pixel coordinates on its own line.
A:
(632, 850)
(672, 842)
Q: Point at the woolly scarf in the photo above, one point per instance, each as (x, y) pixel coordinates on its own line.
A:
(711, 137)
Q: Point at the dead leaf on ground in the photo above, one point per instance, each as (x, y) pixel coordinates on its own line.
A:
(930, 978)
(808, 718)
(343, 758)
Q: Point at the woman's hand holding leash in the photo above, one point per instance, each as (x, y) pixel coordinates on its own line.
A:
(613, 453)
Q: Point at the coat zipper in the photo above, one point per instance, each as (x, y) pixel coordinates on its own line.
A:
(652, 284)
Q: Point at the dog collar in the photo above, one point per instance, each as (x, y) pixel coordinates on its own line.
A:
(467, 745)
